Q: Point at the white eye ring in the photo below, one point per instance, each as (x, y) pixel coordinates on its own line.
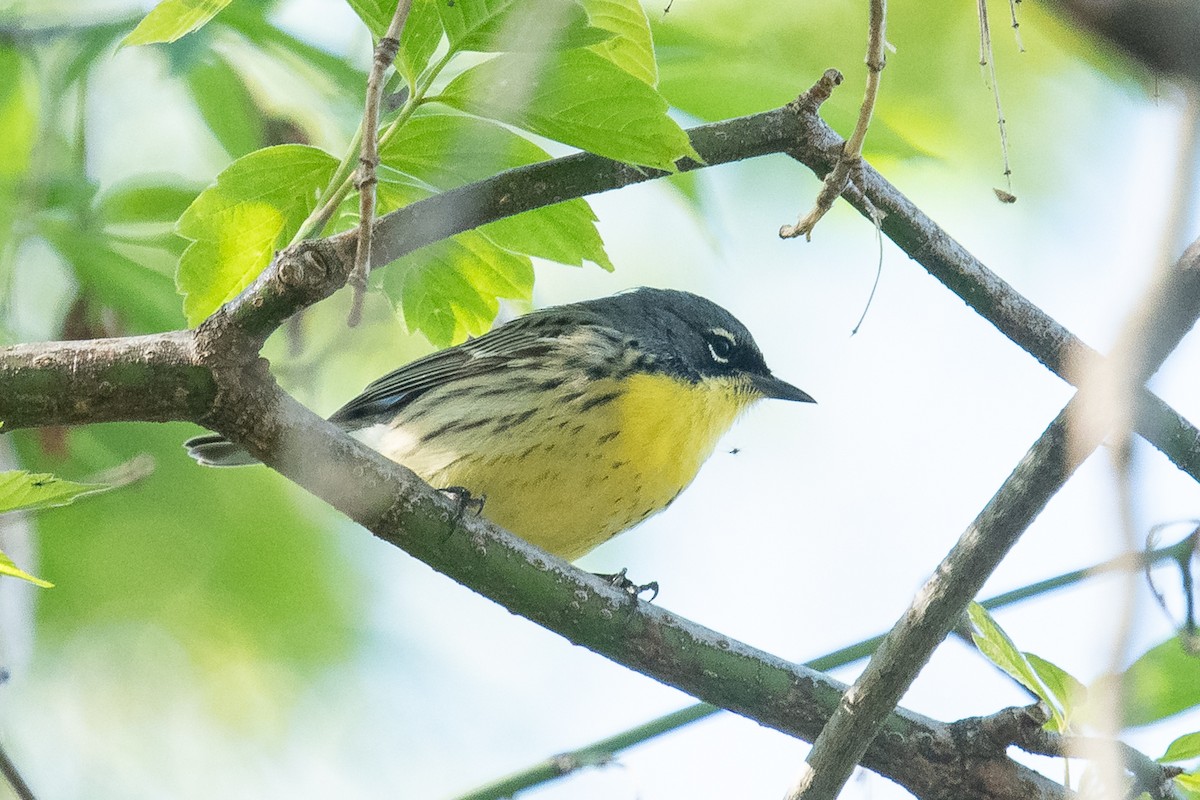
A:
(726, 339)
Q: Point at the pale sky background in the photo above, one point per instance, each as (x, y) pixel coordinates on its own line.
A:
(814, 536)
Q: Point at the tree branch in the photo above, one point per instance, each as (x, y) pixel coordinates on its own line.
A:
(214, 375)
(1024, 728)
(399, 508)
(138, 378)
(316, 269)
(606, 749)
(995, 300)
(937, 608)
(1071, 437)
(385, 54)
(311, 271)
(12, 777)
(848, 165)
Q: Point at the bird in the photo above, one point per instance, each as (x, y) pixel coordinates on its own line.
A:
(570, 424)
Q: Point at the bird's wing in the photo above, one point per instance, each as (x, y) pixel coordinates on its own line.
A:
(530, 336)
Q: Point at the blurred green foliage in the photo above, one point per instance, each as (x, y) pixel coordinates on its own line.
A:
(28, 491)
(241, 568)
(1164, 681)
(238, 562)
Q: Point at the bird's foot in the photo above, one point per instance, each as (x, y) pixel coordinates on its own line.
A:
(621, 581)
(463, 500)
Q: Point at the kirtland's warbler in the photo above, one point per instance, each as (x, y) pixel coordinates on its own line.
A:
(573, 423)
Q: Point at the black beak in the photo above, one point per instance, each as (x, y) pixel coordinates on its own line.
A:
(769, 386)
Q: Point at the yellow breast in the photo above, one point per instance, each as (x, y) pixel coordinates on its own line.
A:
(570, 477)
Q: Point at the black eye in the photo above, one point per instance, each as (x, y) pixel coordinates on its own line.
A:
(720, 345)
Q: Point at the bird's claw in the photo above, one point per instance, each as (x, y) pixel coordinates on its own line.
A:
(620, 581)
(463, 500)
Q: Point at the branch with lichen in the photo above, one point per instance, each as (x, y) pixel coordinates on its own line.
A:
(214, 375)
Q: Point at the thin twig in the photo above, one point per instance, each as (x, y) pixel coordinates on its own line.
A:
(986, 59)
(1016, 26)
(399, 508)
(1119, 380)
(385, 54)
(878, 275)
(9, 770)
(568, 763)
(851, 161)
(940, 603)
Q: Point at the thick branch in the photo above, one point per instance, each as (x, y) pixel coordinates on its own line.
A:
(397, 507)
(607, 749)
(995, 300)
(941, 602)
(311, 271)
(143, 378)
(1024, 728)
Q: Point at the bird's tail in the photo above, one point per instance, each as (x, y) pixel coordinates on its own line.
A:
(213, 450)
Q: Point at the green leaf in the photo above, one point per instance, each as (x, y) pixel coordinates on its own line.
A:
(526, 26)
(92, 42)
(421, 35)
(1163, 682)
(446, 151)
(578, 98)
(171, 19)
(564, 233)
(1188, 785)
(1184, 748)
(247, 19)
(995, 645)
(140, 201)
(1067, 692)
(28, 491)
(7, 567)
(450, 150)
(256, 205)
(227, 563)
(420, 38)
(688, 186)
(144, 298)
(226, 105)
(18, 114)
(375, 14)
(451, 289)
(632, 46)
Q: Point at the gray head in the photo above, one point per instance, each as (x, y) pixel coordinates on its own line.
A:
(691, 338)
